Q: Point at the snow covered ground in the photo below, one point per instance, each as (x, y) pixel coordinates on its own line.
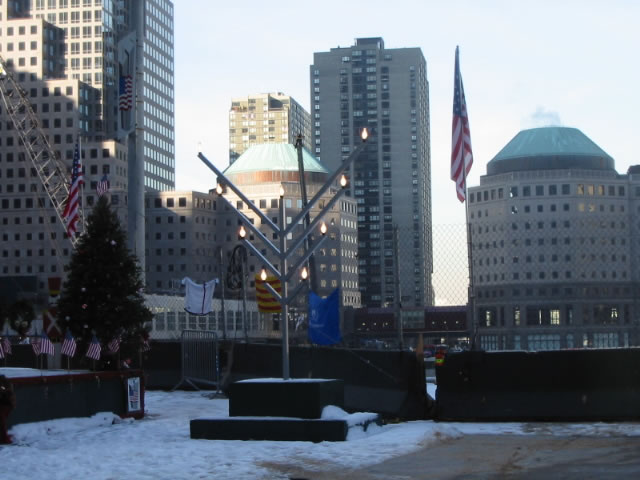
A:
(158, 447)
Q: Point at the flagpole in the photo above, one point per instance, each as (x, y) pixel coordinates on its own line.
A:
(81, 183)
(470, 288)
(471, 292)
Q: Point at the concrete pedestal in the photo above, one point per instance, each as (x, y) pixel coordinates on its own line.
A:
(281, 410)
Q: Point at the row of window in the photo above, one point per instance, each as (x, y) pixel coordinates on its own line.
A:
(554, 341)
(31, 253)
(554, 275)
(601, 314)
(589, 292)
(53, 268)
(551, 190)
(40, 4)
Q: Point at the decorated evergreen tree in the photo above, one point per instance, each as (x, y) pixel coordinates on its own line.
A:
(103, 291)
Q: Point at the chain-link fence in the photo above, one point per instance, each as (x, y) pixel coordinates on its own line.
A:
(450, 264)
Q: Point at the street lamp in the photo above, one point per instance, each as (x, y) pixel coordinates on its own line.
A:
(282, 251)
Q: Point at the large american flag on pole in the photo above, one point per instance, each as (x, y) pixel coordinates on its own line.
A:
(461, 154)
(70, 214)
(126, 92)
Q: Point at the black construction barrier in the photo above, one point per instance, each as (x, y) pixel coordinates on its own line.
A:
(563, 385)
(388, 382)
(77, 394)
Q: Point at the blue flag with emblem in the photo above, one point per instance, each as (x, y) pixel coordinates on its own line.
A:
(324, 318)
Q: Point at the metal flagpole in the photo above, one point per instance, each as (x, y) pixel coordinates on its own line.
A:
(81, 186)
(471, 292)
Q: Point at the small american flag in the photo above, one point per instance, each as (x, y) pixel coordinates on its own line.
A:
(6, 346)
(461, 154)
(68, 345)
(114, 345)
(35, 345)
(94, 349)
(1, 351)
(126, 92)
(70, 214)
(103, 185)
(46, 346)
(134, 394)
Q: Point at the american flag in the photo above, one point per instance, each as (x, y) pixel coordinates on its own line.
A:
(36, 344)
(1, 351)
(146, 345)
(103, 185)
(94, 349)
(70, 213)
(126, 92)
(134, 393)
(461, 154)
(68, 345)
(6, 346)
(46, 346)
(114, 345)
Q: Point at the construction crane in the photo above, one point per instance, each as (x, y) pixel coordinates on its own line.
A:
(50, 169)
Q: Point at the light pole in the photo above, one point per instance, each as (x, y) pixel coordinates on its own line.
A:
(282, 251)
(222, 284)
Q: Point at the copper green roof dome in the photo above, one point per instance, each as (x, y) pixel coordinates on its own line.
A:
(550, 148)
(274, 156)
(275, 162)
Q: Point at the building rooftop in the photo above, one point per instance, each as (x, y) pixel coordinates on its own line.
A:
(281, 157)
(549, 148)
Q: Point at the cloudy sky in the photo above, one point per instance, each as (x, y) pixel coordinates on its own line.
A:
(524, 64)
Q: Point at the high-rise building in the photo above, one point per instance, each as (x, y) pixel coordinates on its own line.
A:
(266, 118)
(554, 245)
(193, 234)
(69, 57)
(386, 91)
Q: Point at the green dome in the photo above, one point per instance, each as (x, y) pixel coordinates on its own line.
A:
(550, 148)
(281, 157)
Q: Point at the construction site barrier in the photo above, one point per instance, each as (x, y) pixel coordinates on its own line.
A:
(199, 359)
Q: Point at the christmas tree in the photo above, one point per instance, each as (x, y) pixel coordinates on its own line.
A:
(103, 291)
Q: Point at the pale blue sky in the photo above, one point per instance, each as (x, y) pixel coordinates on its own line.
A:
(524, 64)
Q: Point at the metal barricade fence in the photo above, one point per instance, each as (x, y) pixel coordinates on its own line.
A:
(200, 359)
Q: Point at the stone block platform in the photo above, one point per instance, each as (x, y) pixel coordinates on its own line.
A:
(282, 410)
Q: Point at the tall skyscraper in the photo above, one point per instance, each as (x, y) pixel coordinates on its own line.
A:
(72, 58)
(386, 91)
(266, 118)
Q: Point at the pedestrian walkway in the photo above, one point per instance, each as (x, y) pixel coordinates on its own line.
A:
(522, 457)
